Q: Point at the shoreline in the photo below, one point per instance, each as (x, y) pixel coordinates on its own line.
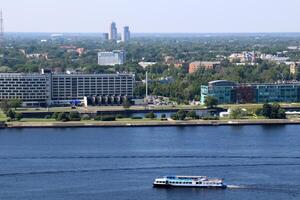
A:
(268, 122)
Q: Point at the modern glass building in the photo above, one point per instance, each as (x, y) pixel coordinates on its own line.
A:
(228, 92)
(277, 93)
(222, 90)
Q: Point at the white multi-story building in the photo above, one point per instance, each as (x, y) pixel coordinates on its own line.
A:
(111, 58)
(113, 32)
(42, 89)
(77, 86)
(126, 34)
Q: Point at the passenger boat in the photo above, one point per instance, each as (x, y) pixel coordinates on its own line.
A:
(189, 181)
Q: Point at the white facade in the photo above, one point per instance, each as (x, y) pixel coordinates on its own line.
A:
(111, 58)
(77, 86)
(53, 88)
(126, 34)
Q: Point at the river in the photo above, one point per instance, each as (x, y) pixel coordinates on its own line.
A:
(259, 162)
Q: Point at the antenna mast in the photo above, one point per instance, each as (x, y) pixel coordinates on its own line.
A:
(1, 30)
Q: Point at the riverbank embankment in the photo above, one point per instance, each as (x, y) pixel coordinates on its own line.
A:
(150, 123)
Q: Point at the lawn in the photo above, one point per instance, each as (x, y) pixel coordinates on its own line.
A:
(2, 117)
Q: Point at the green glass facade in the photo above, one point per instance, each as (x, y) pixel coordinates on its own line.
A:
(224, 91)
(277, 93)
(228, 92)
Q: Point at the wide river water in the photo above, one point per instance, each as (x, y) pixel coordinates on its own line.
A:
(259, 162)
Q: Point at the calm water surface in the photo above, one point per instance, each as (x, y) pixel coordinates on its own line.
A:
(263, 162)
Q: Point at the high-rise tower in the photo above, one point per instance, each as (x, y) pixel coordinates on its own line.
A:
(1, 30)
(113, 33)
(126, 34)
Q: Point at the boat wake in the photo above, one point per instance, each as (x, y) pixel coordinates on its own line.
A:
(235, 186)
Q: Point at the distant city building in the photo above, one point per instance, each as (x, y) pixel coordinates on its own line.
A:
(194, 66)
(244, 57)
(274, 58)
(126, 34)
(146, 64)
(170, 60)
(113, 34)
(227, 92)
(111, 58)
(105, 36)
(48, 88)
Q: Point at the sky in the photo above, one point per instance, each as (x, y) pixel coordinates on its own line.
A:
(152, 16)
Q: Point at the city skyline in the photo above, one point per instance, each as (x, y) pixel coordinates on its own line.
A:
(192, 16)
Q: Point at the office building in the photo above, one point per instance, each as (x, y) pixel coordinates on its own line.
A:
(32, 88)
(111, 58)
(227, 92)
(222, 90)
(77, 86)
(113, 33)
(126, 34)
(194, 66)
(54, 89)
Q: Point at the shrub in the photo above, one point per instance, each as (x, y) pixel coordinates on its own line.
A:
(192, 115)
(163, 116)
(63, 117)
(119, 116)
(55, 115)
(180, 115)
(108, 118)
(150, 115)
(18, 116)
(237, 113)
(136, 117)
(98, 118)
(74, 116)
(85, 117)
(211, 118)
(11, 114)
(105, 118)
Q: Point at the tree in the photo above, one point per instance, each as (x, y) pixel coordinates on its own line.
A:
(211, 102)
(180, 115)
(74, 116)
(237, 113)
(15, 103)
(11, 114)
(192, 115)
(63, 117)
(4, 105)
(266, 110)
(273, 111)
(126, 104)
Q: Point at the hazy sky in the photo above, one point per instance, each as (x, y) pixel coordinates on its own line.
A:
(152, 15)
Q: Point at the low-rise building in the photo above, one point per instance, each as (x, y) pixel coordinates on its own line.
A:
(194, 66)
(111, 58)
(227, 92)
